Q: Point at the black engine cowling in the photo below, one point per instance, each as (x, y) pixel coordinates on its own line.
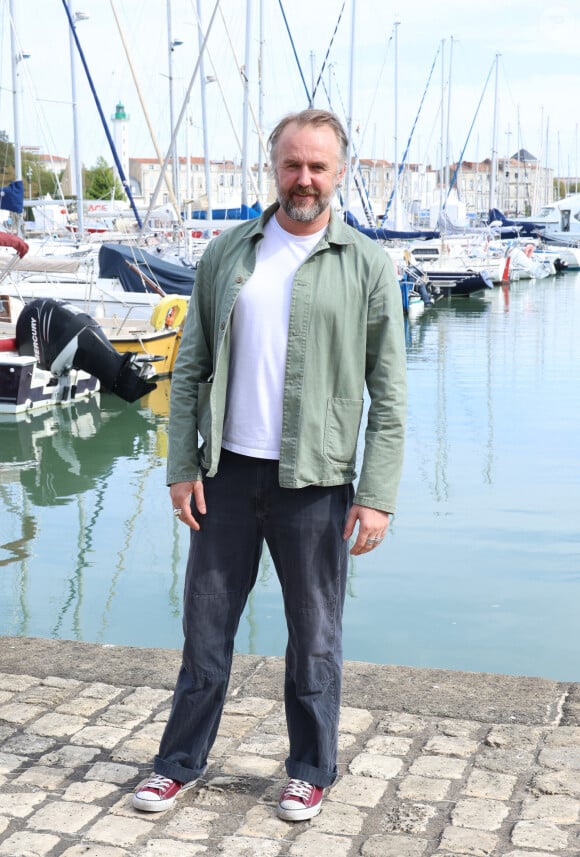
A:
(60, 337)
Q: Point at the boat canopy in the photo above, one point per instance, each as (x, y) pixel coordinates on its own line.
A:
(134, 267)
(12, 197)
(522, 225)
(43, 264)
(380, 233)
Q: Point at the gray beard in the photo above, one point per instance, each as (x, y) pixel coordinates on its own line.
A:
(303, 214)
(306, 214)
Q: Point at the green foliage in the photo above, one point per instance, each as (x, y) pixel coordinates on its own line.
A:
(38, 181)
(563, 188)
(6, 156)
(101, 183)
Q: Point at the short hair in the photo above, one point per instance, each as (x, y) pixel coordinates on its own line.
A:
(318, 118)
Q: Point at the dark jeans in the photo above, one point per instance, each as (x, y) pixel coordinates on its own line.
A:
(303, 530)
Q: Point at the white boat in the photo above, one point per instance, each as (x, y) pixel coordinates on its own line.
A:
(529, 263)
(555, 223)
(24, 386)
(563, 221)
(565, 258)
(111, 281)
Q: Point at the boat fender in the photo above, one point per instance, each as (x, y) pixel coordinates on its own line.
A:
(8, 344)
(169, 312)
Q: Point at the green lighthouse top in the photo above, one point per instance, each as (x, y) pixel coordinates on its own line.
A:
(120, 111)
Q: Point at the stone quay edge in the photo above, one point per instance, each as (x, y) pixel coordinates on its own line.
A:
(431, 762)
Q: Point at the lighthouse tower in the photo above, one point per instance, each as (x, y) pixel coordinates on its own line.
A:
(120, 122)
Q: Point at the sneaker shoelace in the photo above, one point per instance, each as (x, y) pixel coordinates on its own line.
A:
(299, 789)
(157, 783)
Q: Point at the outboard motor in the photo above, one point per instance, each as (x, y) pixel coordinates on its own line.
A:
(61, 337)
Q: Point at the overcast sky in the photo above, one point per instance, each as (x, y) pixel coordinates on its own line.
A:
(538, 81)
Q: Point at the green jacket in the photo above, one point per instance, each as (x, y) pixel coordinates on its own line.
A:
(346, 329)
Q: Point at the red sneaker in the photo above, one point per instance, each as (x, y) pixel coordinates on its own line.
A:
(300, 801)
(158, 793)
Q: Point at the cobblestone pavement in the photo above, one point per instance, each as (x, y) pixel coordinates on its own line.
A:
(431, 762)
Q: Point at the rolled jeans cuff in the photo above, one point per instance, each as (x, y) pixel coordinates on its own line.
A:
(176, 772)
(314, 776)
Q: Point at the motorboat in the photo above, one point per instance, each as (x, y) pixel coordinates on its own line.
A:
(59, 354)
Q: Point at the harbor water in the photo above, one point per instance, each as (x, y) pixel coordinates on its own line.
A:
(481, 567)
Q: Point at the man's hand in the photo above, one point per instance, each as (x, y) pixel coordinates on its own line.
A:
(372, 526)
(180, 493)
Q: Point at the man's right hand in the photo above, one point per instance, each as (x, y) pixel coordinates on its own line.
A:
(180, 493)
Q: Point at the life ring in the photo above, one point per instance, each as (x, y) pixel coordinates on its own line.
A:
(169, 312)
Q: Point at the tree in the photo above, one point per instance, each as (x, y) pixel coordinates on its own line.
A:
(101, 183)
(38, 181)
(6, 157)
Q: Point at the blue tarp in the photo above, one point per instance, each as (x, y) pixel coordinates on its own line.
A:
(12, 197)
(521, 227)
(245, 212)
(115, 261)
(379, 233)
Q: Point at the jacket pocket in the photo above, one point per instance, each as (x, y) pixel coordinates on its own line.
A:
(204, 409)
(343, 418)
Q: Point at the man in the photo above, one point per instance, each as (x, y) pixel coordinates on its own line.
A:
(291, 315)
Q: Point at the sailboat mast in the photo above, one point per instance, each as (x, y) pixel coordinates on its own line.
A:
(118, 164)
(204, 123)
(16, 58)
(396, 127)
(493, 177)
(76, 148)
(442, 127)
(174, 161)
(350, 110)
(447, 133)
(246, 123)
(261, 102)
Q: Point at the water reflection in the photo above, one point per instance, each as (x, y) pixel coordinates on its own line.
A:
(480, 569)
(85, 456)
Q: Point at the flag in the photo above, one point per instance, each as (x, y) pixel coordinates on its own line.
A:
(12, 197)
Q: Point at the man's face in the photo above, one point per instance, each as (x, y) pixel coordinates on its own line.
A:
(307, 171)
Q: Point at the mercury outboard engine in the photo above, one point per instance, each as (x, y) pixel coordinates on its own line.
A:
(61, 337)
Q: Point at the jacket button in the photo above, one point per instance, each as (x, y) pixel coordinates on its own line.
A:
(222, 326)
(239, 279)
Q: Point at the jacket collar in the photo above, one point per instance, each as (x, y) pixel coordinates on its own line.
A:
(338, 231)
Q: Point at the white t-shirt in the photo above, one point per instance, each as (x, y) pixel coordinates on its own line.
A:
(253, 418)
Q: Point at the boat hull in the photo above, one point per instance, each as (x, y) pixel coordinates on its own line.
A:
(157, 347)
(24, 386)
(451, 284)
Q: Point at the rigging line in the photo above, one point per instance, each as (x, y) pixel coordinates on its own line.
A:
(241, 72)
(357, 172)
(118, 163)
(152, 134)
(57, 190)
(175, 130)
(357, 169)
(376, 91)
(406, 152)
(327, 55)
(295, 53)
(460, 161)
